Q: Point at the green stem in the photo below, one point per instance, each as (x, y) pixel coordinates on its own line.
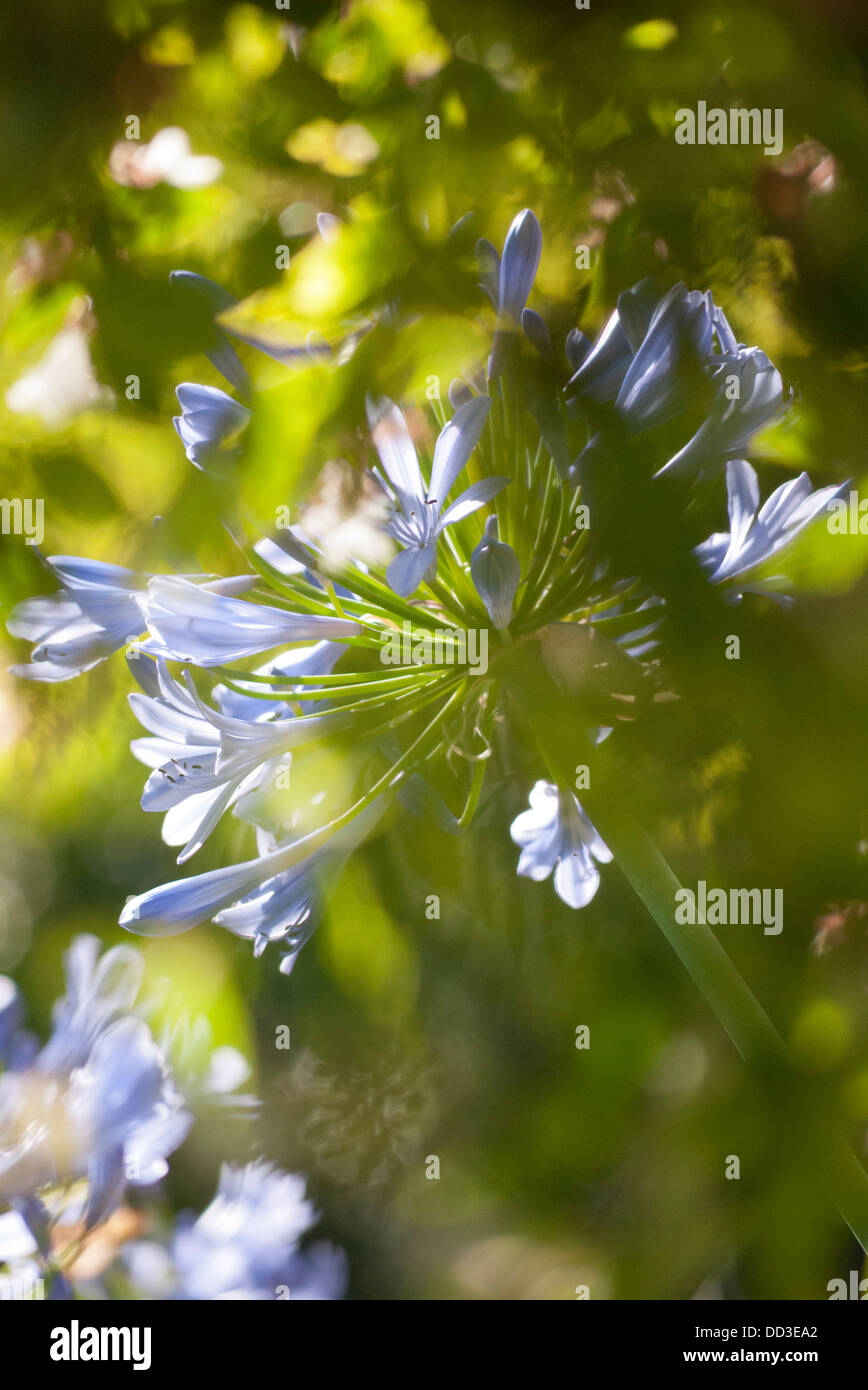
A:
(698, 949)
(736, 1007)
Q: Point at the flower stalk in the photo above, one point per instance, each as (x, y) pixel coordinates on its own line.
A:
(713, 972)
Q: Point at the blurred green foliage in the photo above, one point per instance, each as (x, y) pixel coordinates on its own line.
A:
(455, 1037)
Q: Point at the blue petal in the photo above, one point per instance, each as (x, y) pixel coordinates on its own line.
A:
(176, 907)
(472, 497)
(192, 623)
(518, 267)
(577, 346)
(537, 333)
(209, 416)
(409, 567)
(75, 572)
(653, 389)
(455, 444)
(397, 453)
(214, 300)
(742, 499)
(496, 572)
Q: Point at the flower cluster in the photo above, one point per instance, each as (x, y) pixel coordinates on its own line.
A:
(242, 679)
(97, 1110)
(245, 1245)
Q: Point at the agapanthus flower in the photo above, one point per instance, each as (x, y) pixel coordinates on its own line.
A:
(100, 990)
(508, 280)
(189, 622)
(557, 839)
(496, 572)
(208, 418)
(654, 358)
(275, 898)
(511, 565)
(95, 614)
(748, 396)
(419, 517)
(92, 616)
(204, 760)
(759, 533)
(245, 1245)
(99, 1107)
(111, 1120)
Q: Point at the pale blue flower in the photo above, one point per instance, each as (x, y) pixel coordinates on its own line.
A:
(100, 1107)
(603, 366)
(666, 367)
(275, 898)
(97, 612)
(189, 622)
(283, 910)
(495, 570)
(758, 533)
(98, 1102)
(509, 279)
(642, 358)
(128, 1112)
(649, 360)
(112, 1120)
(175, 907)
(100, 989)
(557, 838)
(518, 264)
(204, 760)
(656, 387)
(92, 616)
(182, 750)
(208, 418)
(749, 395)
(419, 517)
(245, 1245)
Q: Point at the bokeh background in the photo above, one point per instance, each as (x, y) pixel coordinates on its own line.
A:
(455, 1037)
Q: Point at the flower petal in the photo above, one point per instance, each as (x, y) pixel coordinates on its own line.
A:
(409, 567)
(518, 266)
(455, 444)
(470, 499)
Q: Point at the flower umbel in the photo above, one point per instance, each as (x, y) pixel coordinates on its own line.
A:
(520, 553)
